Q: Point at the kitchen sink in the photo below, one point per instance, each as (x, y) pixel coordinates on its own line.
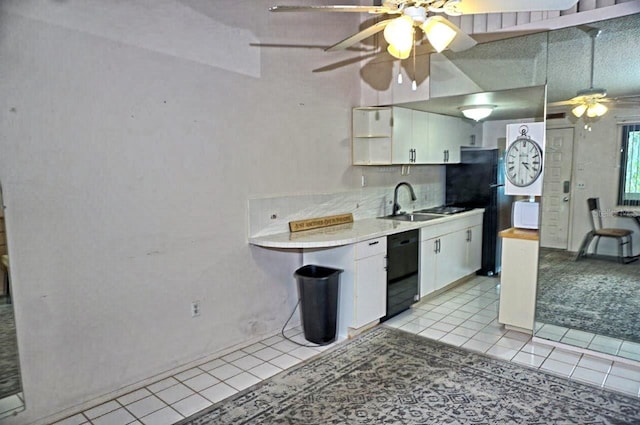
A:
(412, 217)
(446, 210)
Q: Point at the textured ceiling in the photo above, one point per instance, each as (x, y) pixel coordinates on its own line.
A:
(561, 59)
(616, 59)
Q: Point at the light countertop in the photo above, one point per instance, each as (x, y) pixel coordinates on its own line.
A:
(344, 234)
(515, 233)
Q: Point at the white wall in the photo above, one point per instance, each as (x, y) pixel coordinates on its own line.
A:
(133, 135)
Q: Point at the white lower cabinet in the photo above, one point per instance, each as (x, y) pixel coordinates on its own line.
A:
(518, 279)
(370, 286)
(474, 249)
(449, 252)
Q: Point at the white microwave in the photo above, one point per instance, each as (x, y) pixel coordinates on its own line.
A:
(524, 214)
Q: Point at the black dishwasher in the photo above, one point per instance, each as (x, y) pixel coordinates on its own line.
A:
(402, 271)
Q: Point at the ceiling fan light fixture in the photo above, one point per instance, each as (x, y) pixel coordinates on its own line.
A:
(477, 112)
(399, 34)
(398, 54)
(596, 110)
(579, 110)
(439, 34)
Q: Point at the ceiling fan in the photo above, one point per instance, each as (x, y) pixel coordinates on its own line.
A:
(592, 101)
(403, 16)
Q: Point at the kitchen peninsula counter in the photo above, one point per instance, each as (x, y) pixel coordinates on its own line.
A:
(345, 234)
(518, 279)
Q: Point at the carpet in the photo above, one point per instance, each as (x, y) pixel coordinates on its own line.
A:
(591, 295)
(388, 376)
(9, 366)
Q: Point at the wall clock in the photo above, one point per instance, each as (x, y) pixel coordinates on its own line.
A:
(523, 164)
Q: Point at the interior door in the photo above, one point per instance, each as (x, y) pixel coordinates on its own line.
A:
(556, 188)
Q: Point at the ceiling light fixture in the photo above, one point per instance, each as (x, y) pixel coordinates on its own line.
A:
(477, 112)
(399, 32)
(439, 34)
(399, 35)
(589, 103)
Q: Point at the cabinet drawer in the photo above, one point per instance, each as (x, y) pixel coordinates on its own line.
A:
(452, 225)
(371, 247)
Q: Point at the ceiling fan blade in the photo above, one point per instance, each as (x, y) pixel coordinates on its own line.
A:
(355, 38)
(569, 102)
(469, 7)
(336, 8)
(462, 40)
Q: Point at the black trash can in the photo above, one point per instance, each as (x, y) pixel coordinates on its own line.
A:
(318, 294)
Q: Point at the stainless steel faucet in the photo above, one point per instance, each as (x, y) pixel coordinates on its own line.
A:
(396, 206)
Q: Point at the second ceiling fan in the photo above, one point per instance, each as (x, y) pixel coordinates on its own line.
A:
(403, 16)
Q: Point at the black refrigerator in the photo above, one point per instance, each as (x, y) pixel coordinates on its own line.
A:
(478, 182)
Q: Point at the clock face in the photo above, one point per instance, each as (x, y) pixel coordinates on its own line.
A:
(523, 162)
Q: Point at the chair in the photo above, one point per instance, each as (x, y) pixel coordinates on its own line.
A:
(623, 236)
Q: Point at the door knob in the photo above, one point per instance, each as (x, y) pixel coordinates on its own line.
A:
(565, 199)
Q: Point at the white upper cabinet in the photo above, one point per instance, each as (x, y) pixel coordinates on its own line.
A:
(402, 139)
(372, 136)
(446, 135)
(395, 135)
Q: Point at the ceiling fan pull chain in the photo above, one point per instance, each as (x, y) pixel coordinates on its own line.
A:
(414, 85)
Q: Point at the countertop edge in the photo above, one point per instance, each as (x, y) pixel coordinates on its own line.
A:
(359, 230)
(515, 233)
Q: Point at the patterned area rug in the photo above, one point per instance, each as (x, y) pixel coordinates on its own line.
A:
(597, 296)
(389, 376)
(9, 367)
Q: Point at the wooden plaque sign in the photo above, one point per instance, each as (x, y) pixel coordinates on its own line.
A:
(315, 223)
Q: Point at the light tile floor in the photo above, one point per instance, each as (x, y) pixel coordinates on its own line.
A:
(465, 316)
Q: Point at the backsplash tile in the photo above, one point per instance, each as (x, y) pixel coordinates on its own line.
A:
(272, 215)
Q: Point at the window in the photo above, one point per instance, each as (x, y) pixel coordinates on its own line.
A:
(629, 189)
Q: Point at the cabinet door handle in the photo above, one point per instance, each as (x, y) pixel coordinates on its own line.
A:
(447, 155)
(468, 235)
(435, 246)
(374, 243)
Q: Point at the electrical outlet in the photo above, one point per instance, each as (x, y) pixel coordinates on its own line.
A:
(195, 308)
